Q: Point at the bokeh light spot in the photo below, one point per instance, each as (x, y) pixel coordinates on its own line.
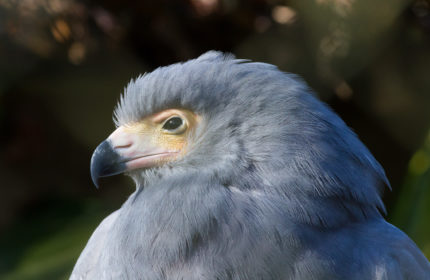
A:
(61, 31)
(283, 15)
(77, 53)
(205, 7)
(343, 91)
(419, 163)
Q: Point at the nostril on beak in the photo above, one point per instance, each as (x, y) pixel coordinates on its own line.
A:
(122, 146)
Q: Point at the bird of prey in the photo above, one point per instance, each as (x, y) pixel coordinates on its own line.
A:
(241, 173)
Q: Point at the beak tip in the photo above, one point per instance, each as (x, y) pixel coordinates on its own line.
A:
(95, 180)
(95, 169)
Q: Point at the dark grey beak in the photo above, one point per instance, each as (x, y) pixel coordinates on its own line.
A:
(105, 162)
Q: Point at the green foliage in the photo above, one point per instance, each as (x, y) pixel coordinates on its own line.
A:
(412, 209)
(48, 245)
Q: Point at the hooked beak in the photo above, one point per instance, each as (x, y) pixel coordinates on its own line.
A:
(106, 162)
(124, 151)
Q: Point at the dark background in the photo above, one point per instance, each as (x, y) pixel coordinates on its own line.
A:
(63, 64)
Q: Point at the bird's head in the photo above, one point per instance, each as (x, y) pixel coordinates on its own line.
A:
(181, 117)
(244, 127)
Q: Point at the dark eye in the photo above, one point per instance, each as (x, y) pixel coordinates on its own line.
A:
(173, 124)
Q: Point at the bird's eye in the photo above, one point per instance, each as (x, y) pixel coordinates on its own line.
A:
(174, 125)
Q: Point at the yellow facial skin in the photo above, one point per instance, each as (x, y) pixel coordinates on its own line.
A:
(151, 130)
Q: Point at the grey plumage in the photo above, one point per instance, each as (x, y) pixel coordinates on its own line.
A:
(274, 186)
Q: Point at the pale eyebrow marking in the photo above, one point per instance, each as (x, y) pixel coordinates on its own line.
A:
(161, 116)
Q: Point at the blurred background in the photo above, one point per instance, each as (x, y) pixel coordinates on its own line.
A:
(63, 64)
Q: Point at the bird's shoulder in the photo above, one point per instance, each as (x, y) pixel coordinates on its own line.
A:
(378, 250)
(401, 255)
(87, 261)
